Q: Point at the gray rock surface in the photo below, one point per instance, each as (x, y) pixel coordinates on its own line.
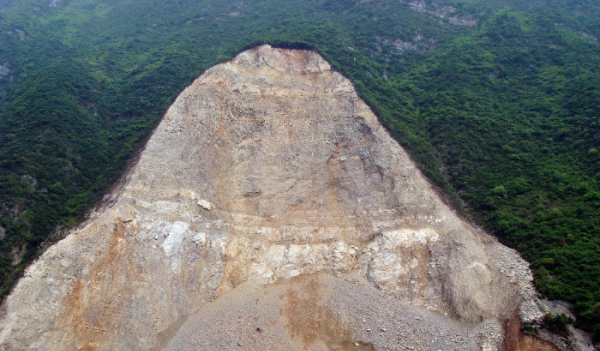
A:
(270, 197)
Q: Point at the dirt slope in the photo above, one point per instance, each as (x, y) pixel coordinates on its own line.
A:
(271, 210)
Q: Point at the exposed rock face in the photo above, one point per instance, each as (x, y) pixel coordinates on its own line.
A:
(266, 168)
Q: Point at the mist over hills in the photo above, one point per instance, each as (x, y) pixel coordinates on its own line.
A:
(497, 101)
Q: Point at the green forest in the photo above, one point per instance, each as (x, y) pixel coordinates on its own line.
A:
(497, 101)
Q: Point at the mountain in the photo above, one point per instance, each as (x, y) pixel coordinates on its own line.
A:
(495, 101)
(269, 175)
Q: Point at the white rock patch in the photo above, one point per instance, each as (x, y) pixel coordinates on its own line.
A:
(175, 236)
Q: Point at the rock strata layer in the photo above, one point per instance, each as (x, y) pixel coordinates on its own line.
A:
(269, 176)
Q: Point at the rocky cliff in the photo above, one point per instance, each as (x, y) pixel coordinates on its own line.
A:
(271, 210)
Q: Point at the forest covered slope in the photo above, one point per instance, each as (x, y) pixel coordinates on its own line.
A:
(497, 101)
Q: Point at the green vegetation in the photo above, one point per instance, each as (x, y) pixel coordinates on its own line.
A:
(497, 101)
(558, 323)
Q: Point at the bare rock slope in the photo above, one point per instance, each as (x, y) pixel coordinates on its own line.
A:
(271, 210)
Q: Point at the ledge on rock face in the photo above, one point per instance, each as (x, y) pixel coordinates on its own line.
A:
(285, 61)
(269, 175)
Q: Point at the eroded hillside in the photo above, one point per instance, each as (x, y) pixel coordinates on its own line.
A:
(271, 206)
